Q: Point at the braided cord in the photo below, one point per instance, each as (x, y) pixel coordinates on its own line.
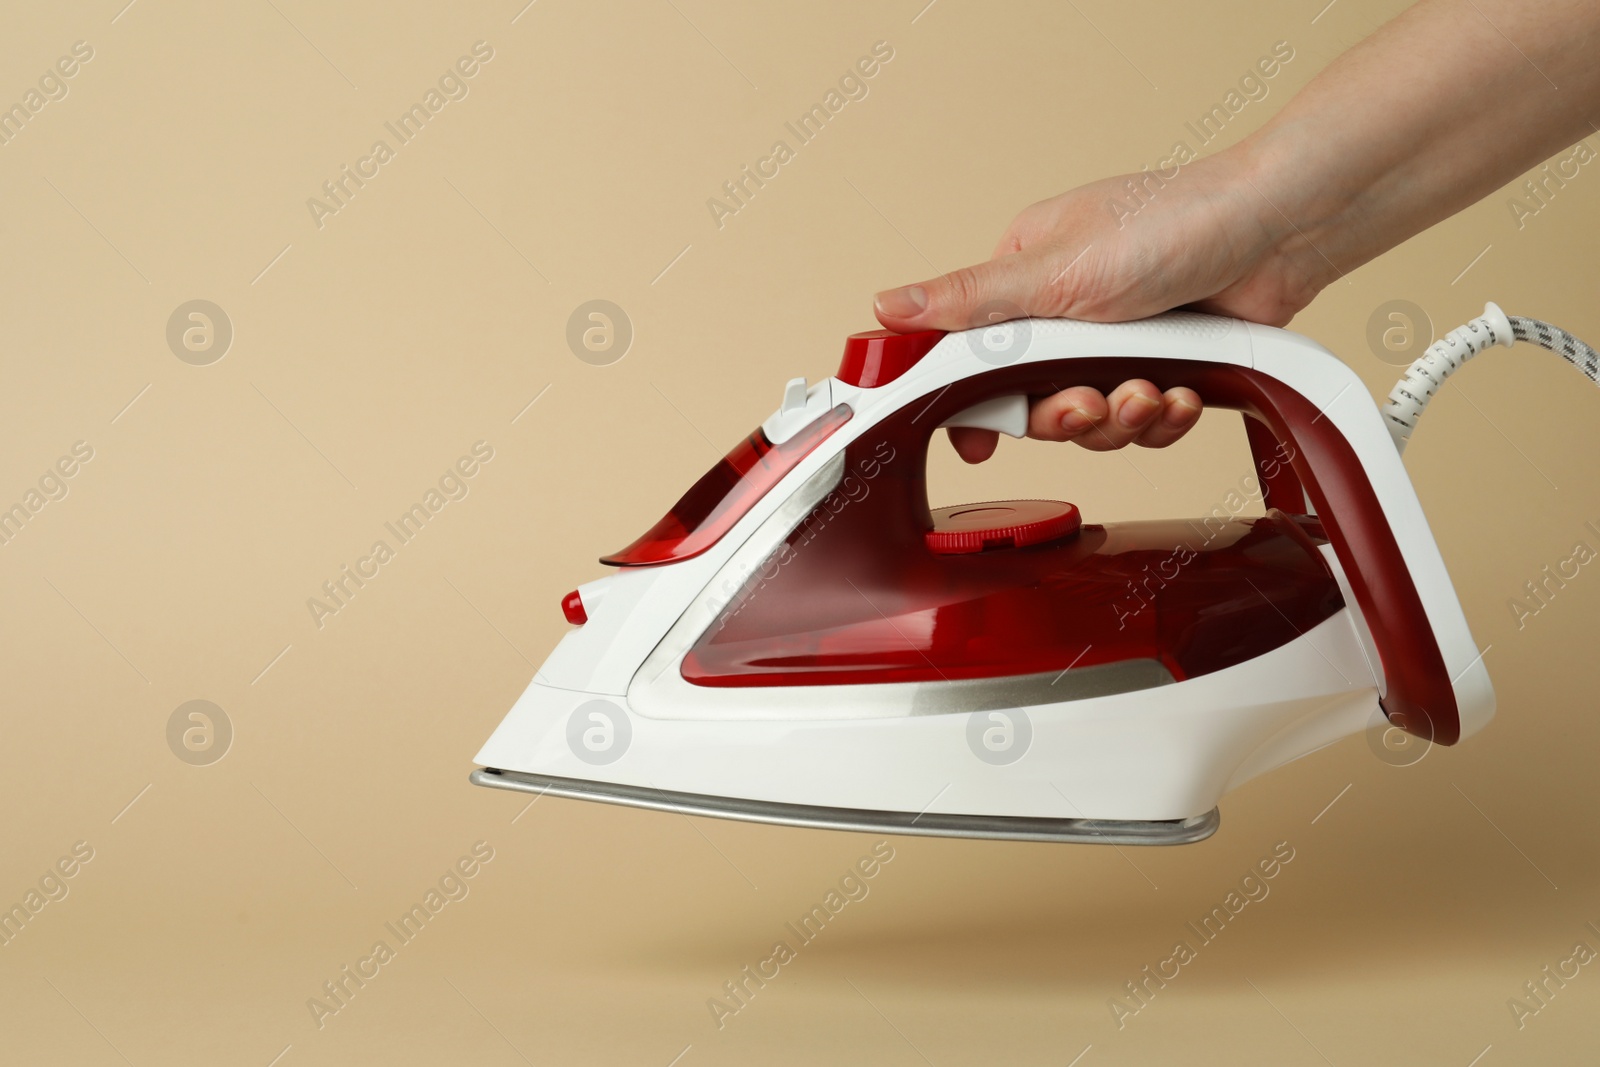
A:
(1559, 341)
(1448, 354)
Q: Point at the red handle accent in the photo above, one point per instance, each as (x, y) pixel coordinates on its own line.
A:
(1280, 487)
(1301, 449)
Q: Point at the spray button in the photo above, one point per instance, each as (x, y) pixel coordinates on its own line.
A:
(878, 357)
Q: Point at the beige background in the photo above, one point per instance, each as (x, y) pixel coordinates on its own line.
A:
(370, 353)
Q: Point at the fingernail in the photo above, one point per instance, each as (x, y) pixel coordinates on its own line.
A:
(1076, 420)
(1136, 410)
(1180, 412)
(903, 303)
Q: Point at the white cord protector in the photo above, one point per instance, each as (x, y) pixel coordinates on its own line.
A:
(1448, 354)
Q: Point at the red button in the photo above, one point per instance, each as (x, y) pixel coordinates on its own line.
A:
(572, 608)
(878, 357)
(1001, 524)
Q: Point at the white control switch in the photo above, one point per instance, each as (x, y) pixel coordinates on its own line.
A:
(794, 395)
(1005, 414)
(801, 406)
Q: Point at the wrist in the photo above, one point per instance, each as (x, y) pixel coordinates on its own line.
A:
(1312, 227)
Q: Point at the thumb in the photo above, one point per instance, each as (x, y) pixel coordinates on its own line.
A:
(1010, 287)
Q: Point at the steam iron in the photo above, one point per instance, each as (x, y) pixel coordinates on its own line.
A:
(803, 640)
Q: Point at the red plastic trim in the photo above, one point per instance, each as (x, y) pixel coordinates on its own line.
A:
(725, 493)
(1280, 486)
(1000, 524)
(878, 357)
(856, 597)
(1421, 698)
(572, 608)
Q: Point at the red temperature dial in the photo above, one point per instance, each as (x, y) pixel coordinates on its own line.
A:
(1001, 524)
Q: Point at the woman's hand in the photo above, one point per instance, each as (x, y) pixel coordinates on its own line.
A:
(1110, 252)
(1358, 161)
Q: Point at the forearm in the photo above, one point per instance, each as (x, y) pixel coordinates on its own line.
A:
(1445, 104)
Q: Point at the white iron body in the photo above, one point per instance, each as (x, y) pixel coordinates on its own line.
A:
(856, 756)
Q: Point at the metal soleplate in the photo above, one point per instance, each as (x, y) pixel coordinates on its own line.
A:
(931, 824)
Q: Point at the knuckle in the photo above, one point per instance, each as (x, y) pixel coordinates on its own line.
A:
(1058, 288)
(963, 287)
(1032, 224)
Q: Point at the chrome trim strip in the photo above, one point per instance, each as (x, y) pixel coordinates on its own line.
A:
(1030, 690)
(928, 824)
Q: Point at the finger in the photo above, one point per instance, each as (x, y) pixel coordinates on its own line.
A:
(1010, 287)
(973, 445)
(1068, 414)
(1180, 410)
(1133, 406)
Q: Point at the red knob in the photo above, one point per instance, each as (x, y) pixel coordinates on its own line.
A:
(1001, 524)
